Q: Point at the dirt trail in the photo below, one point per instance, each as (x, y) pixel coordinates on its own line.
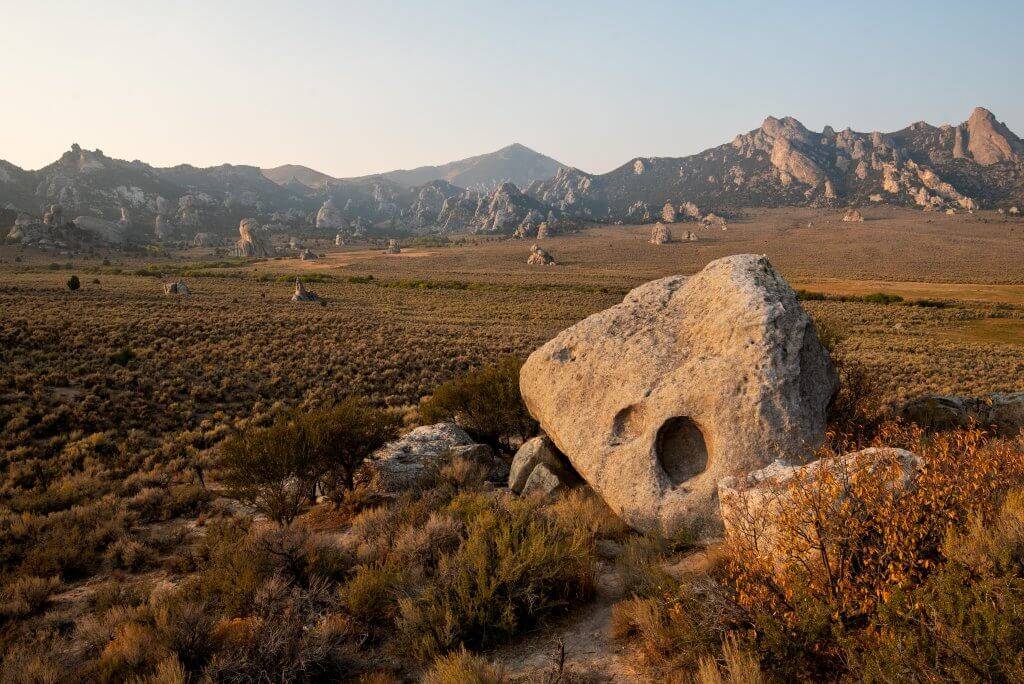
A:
(590, 654)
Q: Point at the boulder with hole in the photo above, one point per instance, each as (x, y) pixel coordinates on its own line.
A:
(685, 382)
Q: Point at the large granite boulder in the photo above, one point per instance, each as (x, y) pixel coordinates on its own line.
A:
(685, 382)
(404, 463)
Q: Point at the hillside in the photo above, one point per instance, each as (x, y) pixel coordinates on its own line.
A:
(516, 163)
(296, 173)
(782, 163)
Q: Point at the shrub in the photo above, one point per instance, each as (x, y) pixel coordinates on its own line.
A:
(273, 469)
(512, 568)
(462, 667)
(74, 283)
(26, 596)
(487, 404)
(341, 438)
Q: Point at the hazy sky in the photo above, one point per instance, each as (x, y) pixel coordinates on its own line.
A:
(357, 87)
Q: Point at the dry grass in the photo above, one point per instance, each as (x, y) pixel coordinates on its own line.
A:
(113, 399)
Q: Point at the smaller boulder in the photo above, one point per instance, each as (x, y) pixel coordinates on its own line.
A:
(853, 216)
(1014, 211)
(393, 247)
(540, 454)
(407, 461)
(308, 255)
(178, 288)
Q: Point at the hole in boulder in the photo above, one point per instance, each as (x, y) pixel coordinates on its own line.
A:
(627, 424)
(681, 449)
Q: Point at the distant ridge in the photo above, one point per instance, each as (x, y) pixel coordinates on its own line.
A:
(288, 174)
(515, 163)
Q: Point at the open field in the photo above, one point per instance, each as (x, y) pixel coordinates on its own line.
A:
(111, 395)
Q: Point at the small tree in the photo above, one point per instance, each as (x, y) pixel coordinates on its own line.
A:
(487, 404)
(272, 469)
(74, 283)
(342, 437)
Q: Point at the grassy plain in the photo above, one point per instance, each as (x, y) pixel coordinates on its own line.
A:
(110, 392)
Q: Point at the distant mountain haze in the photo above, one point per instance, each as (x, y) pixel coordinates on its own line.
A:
(515, 163)
(976, 164)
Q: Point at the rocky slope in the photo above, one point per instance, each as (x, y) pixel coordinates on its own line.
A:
(151, 203)
(783, 163)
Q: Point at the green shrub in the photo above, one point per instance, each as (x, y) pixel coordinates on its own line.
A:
(74, 283)
(487, 404)
(342, 437)
(513, 567)
(273, 469)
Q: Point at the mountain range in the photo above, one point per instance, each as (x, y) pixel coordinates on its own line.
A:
(978, 163)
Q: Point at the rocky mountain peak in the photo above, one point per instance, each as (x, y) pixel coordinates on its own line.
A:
(989, 141)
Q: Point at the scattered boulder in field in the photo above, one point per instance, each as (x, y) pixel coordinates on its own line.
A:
(308, 255)
(302, 294)
(404, 463)
(1014, 211)
(690, 236)
(685, 382)
(534, 453)
(875, 198)
(713, 220)
(393, 247)
(540, 257)
(660, 234)
(339, 240)
(763, 511)
(254, 241)
(853, 216)
(204, 240)
(176, 288)
(544, 230)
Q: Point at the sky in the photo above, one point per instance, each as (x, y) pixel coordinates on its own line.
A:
(352, 88)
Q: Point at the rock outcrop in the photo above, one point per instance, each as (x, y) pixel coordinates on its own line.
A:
(329, 217)
(660, 234)
(402, 464)
(989, 141)
(205, 240)
(685, 382)
(1001, 412)
(393, 247)
(107, 231)
(254, 241)
(540, 257)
